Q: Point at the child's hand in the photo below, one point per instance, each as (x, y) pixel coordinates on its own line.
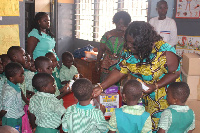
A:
(102, 108)
(33, 130)
(66, 89)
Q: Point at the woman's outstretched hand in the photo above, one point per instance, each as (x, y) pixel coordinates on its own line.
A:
(96, 91)
(152, 88)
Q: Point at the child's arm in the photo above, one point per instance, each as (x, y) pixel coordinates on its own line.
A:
(32, 120)
(29, 94)
(102, 108)
(65, 91)
(2, 113)
(24, 98)
(161, 130)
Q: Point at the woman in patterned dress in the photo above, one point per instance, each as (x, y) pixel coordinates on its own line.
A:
(147, 57)
(112, 43)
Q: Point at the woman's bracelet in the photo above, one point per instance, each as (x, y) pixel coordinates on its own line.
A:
(100, 87)
(156, 86)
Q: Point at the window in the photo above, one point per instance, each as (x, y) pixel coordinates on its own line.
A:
(94, 17)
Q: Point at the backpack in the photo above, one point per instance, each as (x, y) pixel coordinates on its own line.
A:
(80, 52)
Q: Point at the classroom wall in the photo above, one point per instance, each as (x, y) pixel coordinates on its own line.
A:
(20, 20)
(42, 6)
(64, 26)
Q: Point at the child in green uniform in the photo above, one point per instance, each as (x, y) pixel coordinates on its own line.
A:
(28, 77)
(5, 60)
(2, 112)
(44, 65)
(68, 70)
(56, 71)
(131, 118)
(46, 110)
(177, 118)
(17, 54)
(83, 117)
(12, 99)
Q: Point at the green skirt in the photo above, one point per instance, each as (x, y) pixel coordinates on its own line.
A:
(45, 130)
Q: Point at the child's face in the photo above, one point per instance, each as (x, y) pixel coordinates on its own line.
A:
(28, 64)
(170, 99)
(51, 88)
(162, 9)
(21, 57)
(54, 60)
(18, 78)
(68, 62)
(44, 22)
(32, 66)
(47, 68)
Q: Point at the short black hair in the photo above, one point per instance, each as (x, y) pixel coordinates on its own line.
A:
(122, 15)
(180, 91)
(67, 55)
(161, 1)
(12, 69)
(13, 51)
(4, 58)
(132, 90)
(41, 80)
(49, 54)
(40, 61)
(82, 89)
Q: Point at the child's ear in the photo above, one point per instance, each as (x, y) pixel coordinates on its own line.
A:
(44, 89)
(39, 70)
(14, 58)
(11, 79)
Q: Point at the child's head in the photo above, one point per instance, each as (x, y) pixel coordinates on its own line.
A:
(17, 54)
(82, 89)
(67, 59)
(14, 72)
(44, 82)
(52, 57)
(5, 60)
(121, 19)
(162, 8)
(43, 65)
(132, 90)
(177, 93)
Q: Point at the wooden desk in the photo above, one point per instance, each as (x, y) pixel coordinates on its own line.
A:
(87, 69)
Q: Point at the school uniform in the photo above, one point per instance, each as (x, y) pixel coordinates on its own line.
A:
(27, 84)
(130, 119)
(84, 119)
(12, 103)
(3, 80)
(48, 112)
(177, 119)
(67, 74)
(56, 75)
